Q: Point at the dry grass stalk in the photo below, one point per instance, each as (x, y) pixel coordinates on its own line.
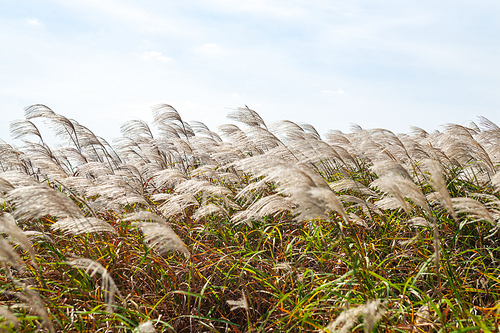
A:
(108, 286)
(35, 303)
(239, 304)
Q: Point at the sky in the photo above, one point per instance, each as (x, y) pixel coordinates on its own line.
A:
(378, 64)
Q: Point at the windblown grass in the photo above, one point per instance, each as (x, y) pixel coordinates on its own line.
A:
(263, 228)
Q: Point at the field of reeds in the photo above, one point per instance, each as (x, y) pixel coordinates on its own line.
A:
(253, 227)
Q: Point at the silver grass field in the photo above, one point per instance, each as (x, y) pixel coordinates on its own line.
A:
(250, 227)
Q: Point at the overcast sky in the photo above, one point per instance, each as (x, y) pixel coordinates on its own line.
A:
(388, 64)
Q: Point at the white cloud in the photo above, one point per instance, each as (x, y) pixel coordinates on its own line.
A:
(212, 50)
(34, 22)
(154, 55)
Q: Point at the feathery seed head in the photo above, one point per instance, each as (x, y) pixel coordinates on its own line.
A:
(161, 237)
(37, 201)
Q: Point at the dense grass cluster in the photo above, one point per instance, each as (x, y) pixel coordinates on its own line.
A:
(254, 228)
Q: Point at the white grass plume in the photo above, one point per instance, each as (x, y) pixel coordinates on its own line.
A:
(125, 200)
(247, 116)
(268, 205)
(11, 158)
(9, 318)
(391, 203)
(108, 286)
(136, 127)
(239, 140)
(42, 159)
(37, 110)
(488, 125)
(400, 187)
(18, 179)
(143, 216)
(355, 219)
(492, 203)
(371, 312)
(33, 202)
(238, 304)
(307, 190)
(80, 185)
(5, 186)
(232, 178)
(180, 146)
(161, 237)
(170, 122)
(288, 131)
(38, 236)
(472, 208)
(161, 196)
(463, 139)
(114, 190)
(207, 172)
(71, 155)
(145, 327)
(363, 204)
(21, 128)
(9, 226)
(439, 184)
(415, 150)
(420, 222)
(264, 139)
(201, 128)
(495, 181)
(8, 256)
(327, 199)
(317, 153)
(168, 178)
(93, 170)
(388, 167)
(349, 184)
(283, 266)
(177, 204)
(77, 226)
(263, 165)
(208, 210)
(462, 148)
(194, 186)
(252, 190)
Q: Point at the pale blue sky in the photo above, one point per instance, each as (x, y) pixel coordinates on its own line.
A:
(387, 64)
